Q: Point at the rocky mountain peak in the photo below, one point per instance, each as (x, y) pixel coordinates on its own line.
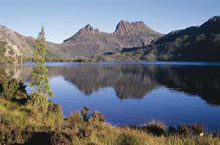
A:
(124, 27)
(211, 26)
(88, 29)
(214, 19)
(85, 31)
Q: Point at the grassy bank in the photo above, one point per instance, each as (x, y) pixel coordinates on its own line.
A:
(25, 124)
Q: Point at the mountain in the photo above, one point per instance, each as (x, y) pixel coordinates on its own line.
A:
(129, 41)
(131, 81)
(87, 42)
(200, 43)
(15, 47)
(135, 34)
(126, 35)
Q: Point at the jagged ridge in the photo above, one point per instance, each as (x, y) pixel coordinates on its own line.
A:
(87, 42)
(126, 35)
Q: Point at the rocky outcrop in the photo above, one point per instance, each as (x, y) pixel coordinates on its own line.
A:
(13, 46)
(212, 26)
(196, 43)
(126, 35)
(125, 27)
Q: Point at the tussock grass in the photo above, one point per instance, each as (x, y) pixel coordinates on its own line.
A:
(23, 116)
(26, 124)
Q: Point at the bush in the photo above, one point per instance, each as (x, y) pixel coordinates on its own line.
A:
(155, 128)
(12, 135)
(172, 131)
(198, 129)
(75, 118)
(39, 101)
(11, 89)
(185, 130)
(97, 116)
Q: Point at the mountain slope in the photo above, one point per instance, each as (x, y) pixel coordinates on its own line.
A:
(13, 46)
(86, 43)
(126, 35)
(200, 43)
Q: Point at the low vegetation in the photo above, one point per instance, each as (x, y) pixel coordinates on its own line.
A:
(24, 123)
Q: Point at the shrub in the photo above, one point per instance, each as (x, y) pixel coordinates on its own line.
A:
(198, 129)
(85, 132)
(75, 118)
(58, 138)
(172, 131)
(12, 135)
(97, 116)
(185, 130)
(155, 128)
(11, 89)
(39, 101)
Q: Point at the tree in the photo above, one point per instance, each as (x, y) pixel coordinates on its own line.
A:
(40, 82)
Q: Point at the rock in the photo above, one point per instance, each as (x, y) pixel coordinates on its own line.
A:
(126, 35)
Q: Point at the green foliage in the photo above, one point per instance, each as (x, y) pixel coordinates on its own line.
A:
(26, 116)
(40, 81)
(11, 135)
(38, 100)
(21, 124)
(11, 89)
(2, 46)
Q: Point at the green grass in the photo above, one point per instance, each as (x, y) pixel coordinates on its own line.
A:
(23, 116)
(26, 124)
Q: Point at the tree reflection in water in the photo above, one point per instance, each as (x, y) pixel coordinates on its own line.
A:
(133, 81)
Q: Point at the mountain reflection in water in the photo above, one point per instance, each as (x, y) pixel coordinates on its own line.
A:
(132, 81)
(134, 93)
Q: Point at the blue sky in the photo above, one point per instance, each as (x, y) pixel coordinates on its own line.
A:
(62, 18)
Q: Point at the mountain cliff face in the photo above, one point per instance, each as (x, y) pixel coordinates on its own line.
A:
(126, 35)
(200, 43)
(135, 34)
(13, 46)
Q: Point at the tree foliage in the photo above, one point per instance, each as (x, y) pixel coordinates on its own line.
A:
(40, 81)
(11, 88)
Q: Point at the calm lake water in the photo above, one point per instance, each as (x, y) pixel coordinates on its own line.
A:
(135, 93)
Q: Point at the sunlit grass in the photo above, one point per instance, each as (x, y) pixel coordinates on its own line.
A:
(26, 115)
(26, 124)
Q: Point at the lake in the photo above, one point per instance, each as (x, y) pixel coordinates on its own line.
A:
(135, 92)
